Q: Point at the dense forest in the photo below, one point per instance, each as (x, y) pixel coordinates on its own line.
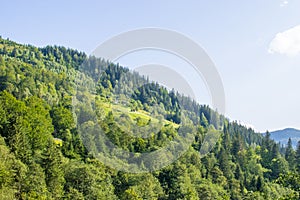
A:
(49, 148)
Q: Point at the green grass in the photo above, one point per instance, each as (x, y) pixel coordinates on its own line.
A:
(142, 115)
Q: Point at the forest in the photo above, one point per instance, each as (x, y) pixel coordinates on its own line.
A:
(50, 146)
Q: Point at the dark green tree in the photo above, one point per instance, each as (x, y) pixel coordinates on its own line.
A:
(290, 154)
(52, 162)
(298, 157)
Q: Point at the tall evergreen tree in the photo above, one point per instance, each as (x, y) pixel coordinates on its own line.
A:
(290, 154)
(52, 162)
(298, 157)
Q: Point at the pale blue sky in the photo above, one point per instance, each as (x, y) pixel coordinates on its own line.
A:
(261, 88)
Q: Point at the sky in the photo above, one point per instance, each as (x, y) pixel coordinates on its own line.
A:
(255, 45)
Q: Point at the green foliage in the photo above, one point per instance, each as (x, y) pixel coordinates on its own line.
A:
(34, 186)
(290, 155)
(6, 173)
(52, 162)
(42, 155)
(144, 186)
(89, 179)
(297, 158)
(290, 180)
(208, 190)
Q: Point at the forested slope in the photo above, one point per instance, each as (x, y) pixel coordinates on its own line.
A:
(43, 154)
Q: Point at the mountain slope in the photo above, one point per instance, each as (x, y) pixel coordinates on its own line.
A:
(43, 156)
(282, 136)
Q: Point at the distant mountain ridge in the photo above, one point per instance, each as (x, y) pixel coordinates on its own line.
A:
(282, 136)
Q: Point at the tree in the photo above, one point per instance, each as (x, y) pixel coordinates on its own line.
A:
(225, 163)
(34, 186)
(40, 122)
(15, 127)
(204, 121)
(90, 180)
(298, 157)
(141, 187)
(64, 129)
(206, 191)
(218, 177)
(2, 62)
(266, 148)
(279, 166)
(52, 162)
(290, 154)
(7, 190)
(62, 120)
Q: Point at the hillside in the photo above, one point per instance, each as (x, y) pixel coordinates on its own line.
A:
(79, 127)
(283, 136)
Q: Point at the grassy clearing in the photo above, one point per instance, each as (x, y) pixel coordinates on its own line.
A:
(141, 115)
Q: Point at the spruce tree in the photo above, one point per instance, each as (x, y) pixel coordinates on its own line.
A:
(290, 154)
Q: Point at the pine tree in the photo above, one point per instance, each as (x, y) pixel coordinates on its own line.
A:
(290, 154)
(52, 164)
(298, 157)
(34, 186)
(224, 161)
(204, 121)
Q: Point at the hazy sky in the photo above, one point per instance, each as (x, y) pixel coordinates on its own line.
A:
(254, 44)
